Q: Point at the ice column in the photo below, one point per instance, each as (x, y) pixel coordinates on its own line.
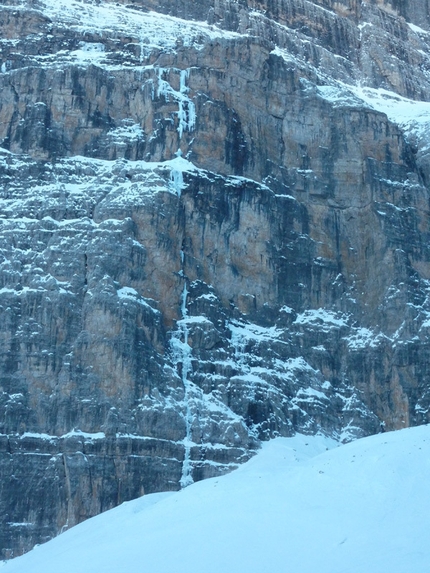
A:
(186, 109)
(182, 358)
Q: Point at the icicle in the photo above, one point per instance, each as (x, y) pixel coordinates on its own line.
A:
(164, 88)
(184, 310)
(141, 48)
(185, 74)
(186, 478)
(181, 355)
(176, 182)
(186, 109)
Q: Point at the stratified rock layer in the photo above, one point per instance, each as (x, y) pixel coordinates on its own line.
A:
(214, 230)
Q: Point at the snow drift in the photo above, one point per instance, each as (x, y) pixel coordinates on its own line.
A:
(302, 504)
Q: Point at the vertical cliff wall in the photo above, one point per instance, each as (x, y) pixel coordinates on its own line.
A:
(214, 223)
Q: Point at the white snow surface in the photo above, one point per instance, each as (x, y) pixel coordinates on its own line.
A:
(107, 19)
(324, 319)
(405, 112)
(413, 117)
(356, 508)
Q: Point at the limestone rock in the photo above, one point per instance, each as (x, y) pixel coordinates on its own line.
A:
(214, 230)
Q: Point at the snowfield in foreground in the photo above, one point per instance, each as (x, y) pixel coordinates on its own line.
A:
(362, 507)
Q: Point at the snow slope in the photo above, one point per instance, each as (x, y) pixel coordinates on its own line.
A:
(413, 117)
(109, 19)
(360, 507)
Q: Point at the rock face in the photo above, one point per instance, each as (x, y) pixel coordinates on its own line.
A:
(214, 222)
